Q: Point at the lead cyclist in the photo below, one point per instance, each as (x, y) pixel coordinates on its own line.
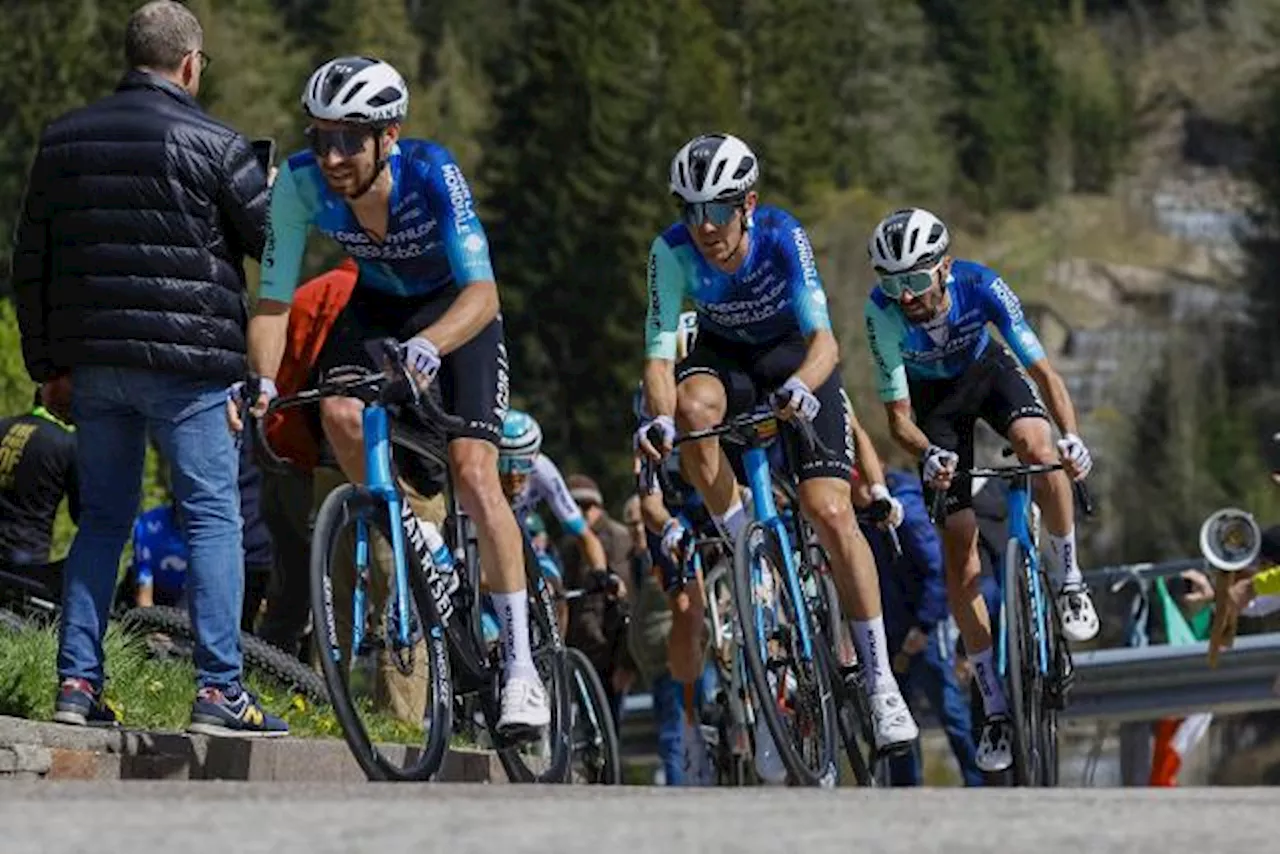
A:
(939, 371)
(403, 210)
(764, 334)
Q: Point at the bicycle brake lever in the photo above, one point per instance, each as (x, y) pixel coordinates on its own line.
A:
(1083, 499)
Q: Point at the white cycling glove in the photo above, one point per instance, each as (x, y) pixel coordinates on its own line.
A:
(664, 423)
(1072, 447)
(879, 492)
(794, 391)
(935, 460)
(421, 357)
(266, 386)
(672, 536)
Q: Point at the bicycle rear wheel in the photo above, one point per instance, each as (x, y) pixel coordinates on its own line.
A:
(781, 673)
(1054, 689)
(347, 675)
(1020, 666)
(596, 755)
(731, 753)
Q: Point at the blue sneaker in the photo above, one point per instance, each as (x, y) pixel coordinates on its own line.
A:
(233, 714)
(79, 704)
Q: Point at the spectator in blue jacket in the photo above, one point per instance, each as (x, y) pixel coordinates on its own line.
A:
(913, 591)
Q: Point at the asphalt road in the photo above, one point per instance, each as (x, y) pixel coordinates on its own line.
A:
(186, 818)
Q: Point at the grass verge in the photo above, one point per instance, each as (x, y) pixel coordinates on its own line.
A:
(153, 694)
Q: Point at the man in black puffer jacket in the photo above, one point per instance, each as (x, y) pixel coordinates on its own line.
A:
(128, 272)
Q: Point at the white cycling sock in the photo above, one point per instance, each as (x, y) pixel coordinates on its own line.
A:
(733, 520)
(513, 619)
(984, 670)
(873, 652)
(1063, 550)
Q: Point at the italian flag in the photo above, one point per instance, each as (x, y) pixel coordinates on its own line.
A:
(1175, 738)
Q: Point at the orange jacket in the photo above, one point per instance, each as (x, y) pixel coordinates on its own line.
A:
(316, 305)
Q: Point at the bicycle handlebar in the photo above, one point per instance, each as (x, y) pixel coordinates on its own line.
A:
(1080, 492)
(393, 385)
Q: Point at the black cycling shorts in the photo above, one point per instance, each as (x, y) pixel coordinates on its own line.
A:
(750, 372)
(474, 380)
(995, 388)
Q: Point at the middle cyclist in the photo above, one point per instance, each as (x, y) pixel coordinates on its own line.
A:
(763, 334)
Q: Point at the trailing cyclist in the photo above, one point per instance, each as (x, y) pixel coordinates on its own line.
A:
(927, 330)
(764, 334)
(529, 479)
(403, 210)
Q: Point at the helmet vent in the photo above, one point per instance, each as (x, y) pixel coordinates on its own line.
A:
(386, 96)
(355, 90)
(743, 168)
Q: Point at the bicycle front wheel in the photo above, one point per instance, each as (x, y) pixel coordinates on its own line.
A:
(1020, 666)
(378, 685)
(791, 685)
(596, 755)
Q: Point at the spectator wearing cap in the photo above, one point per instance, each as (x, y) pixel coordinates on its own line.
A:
(597, 624)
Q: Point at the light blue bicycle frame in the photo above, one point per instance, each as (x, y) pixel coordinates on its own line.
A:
(382, 485)
(756, 462)
(1019, 510)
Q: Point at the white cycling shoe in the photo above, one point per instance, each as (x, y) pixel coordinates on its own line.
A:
(894, 726)
(524, 709)
(1079, 618)
(995, 745)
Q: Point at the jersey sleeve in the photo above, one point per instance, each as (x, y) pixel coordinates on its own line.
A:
(886, 350)
(803, 282)
(666, 296)
(142, 568)
(552, 489)
(465, 242)
(1005, 311)
(288, 224)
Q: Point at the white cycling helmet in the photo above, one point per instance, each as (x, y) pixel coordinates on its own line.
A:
(713, 167)
(357, 89)
(686, 334)
(907, 239)
(520, 442)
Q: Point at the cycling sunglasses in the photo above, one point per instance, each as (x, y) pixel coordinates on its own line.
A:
(718, 214)
(347, 141)
(515, 465)
(915, 282)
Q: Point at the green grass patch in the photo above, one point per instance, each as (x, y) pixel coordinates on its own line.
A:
(153, 694)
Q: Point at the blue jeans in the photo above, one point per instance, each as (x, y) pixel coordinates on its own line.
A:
(114, 410)
(932, 675)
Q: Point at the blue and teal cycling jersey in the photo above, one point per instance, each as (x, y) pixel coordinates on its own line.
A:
(946, 346)
(434, 239)
(775, 293)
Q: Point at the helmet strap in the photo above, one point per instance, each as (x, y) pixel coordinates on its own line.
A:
(380, 159)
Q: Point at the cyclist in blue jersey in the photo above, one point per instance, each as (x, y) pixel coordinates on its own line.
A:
(403, 210)
(927, 329)
(764, 334)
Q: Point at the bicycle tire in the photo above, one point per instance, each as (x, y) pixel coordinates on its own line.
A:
(548, 645)
(1018, 652)
(1050, 766)
(590, 692)
(340, 508)
(11, 622)
(732, 755)
(757, 540)
(259, 656)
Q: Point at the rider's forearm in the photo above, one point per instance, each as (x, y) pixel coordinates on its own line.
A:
(904, 429)
(654, 512)
(474, 309)
(1056, 397)
(820, 359)
(593, 551)
(869, 465)
(268, 329)
(660, 387)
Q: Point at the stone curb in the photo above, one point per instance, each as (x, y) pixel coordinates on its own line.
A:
(38, 750)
